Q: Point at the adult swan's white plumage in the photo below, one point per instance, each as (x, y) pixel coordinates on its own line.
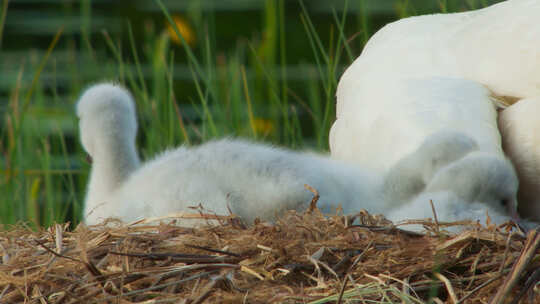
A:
(520, 130)
(497, 46)
(252, 180)
(382, 124)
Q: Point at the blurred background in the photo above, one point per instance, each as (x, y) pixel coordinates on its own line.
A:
(198, 69)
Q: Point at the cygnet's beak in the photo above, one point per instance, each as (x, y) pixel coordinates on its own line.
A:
(512, 210)
(88, 158)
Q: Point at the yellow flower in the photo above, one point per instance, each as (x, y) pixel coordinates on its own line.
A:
(185, 30)
(263, 126)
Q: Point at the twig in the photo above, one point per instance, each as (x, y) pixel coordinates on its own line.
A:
(387, 230)
(448, 286)
(533, 241)
(4, 291)
(314, 200)
(404, 283)
(486, 283)
(209, 287)
(342, 291)
(506, 251)
(91, 268)
(180, 257)
(434, 216)
(531, 281)
(213, 250)
(134, 292)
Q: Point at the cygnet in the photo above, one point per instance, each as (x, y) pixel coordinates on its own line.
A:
(448, 208)
(466, 189)
(248, 179)
(480, 177)
(413, 172)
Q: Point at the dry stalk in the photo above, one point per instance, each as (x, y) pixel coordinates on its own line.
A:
(314, 200)
(531, 246)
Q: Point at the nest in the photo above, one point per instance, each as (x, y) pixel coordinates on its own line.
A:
(301, 258)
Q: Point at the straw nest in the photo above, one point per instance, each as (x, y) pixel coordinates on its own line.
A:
(302, 258)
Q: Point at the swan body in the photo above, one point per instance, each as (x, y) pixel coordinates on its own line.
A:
(250, 180)
(497, 46)
(519, 125)
(403, 113)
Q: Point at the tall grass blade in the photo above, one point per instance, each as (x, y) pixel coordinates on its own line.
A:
(273, 90)
(116, 53)
(72, 200)
(364, 21)
(341, 28)
(3, 15)
(86, 25)
(142, 83)
(40, 68)
(248, 101)
(316, 40)
(283, 52)
(186, 46)
(33, 210)
(203, 97)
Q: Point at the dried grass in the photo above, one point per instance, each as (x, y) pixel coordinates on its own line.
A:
(303, 258)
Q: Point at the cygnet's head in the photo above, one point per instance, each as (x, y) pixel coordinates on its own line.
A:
(448, 208)
(408, 177)
(482, 178)
(106, 113)
(440, 149)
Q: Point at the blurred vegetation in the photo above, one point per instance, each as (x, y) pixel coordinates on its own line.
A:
(263, 69)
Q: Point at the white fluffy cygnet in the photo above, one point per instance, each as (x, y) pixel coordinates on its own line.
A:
(519, 125)
(480, 177)
(251, 180)
(412, 173)
(463, 182)
(477, 184)
(448, 207)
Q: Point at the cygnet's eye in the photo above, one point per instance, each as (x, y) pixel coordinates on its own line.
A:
(504, 203)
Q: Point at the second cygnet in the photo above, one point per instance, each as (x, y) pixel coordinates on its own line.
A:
(462, 182)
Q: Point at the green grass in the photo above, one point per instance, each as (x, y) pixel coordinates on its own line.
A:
(244, 91)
